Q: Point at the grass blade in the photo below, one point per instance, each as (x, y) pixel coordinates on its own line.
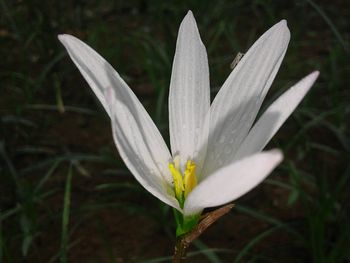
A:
(330, 24)
(65, 216)
(210, 254)
(253, 242)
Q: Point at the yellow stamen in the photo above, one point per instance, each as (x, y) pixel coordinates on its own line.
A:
(190, 179)
(177, 162)
(178, 181)
(183, 183)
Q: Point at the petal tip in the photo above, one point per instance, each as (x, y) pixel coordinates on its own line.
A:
(311, 78)
(61, 37)
(283, 22)
(282, 26)
(189, 18)
(276, 155)
(315, 74)
(279, 33)
(189, 13)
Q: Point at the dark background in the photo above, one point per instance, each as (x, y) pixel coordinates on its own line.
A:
(66, 196)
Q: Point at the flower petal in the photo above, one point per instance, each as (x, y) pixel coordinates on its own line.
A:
(231, 182)
(91, 65)
(189, 96)
(273, 118)
(238, 101)
(138, 140)
(140, 145)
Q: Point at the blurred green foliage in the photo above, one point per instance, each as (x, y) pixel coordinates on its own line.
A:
(65, 195)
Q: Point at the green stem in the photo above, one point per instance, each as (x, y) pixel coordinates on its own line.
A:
(184, 241)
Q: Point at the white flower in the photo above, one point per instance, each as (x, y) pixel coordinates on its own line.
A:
(215, 149)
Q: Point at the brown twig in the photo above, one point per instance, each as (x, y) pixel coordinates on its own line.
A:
(183, 242)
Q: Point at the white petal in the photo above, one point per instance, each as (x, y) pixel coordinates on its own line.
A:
(138, 140)
(91, 65)
(237, 103)
(140, 145)
(189, 96)
(231, 182)
(273, 118)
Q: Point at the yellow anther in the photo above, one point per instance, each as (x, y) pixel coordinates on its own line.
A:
(178, 181)
(190, 179)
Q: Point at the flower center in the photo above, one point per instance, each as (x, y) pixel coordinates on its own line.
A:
(183, 183)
